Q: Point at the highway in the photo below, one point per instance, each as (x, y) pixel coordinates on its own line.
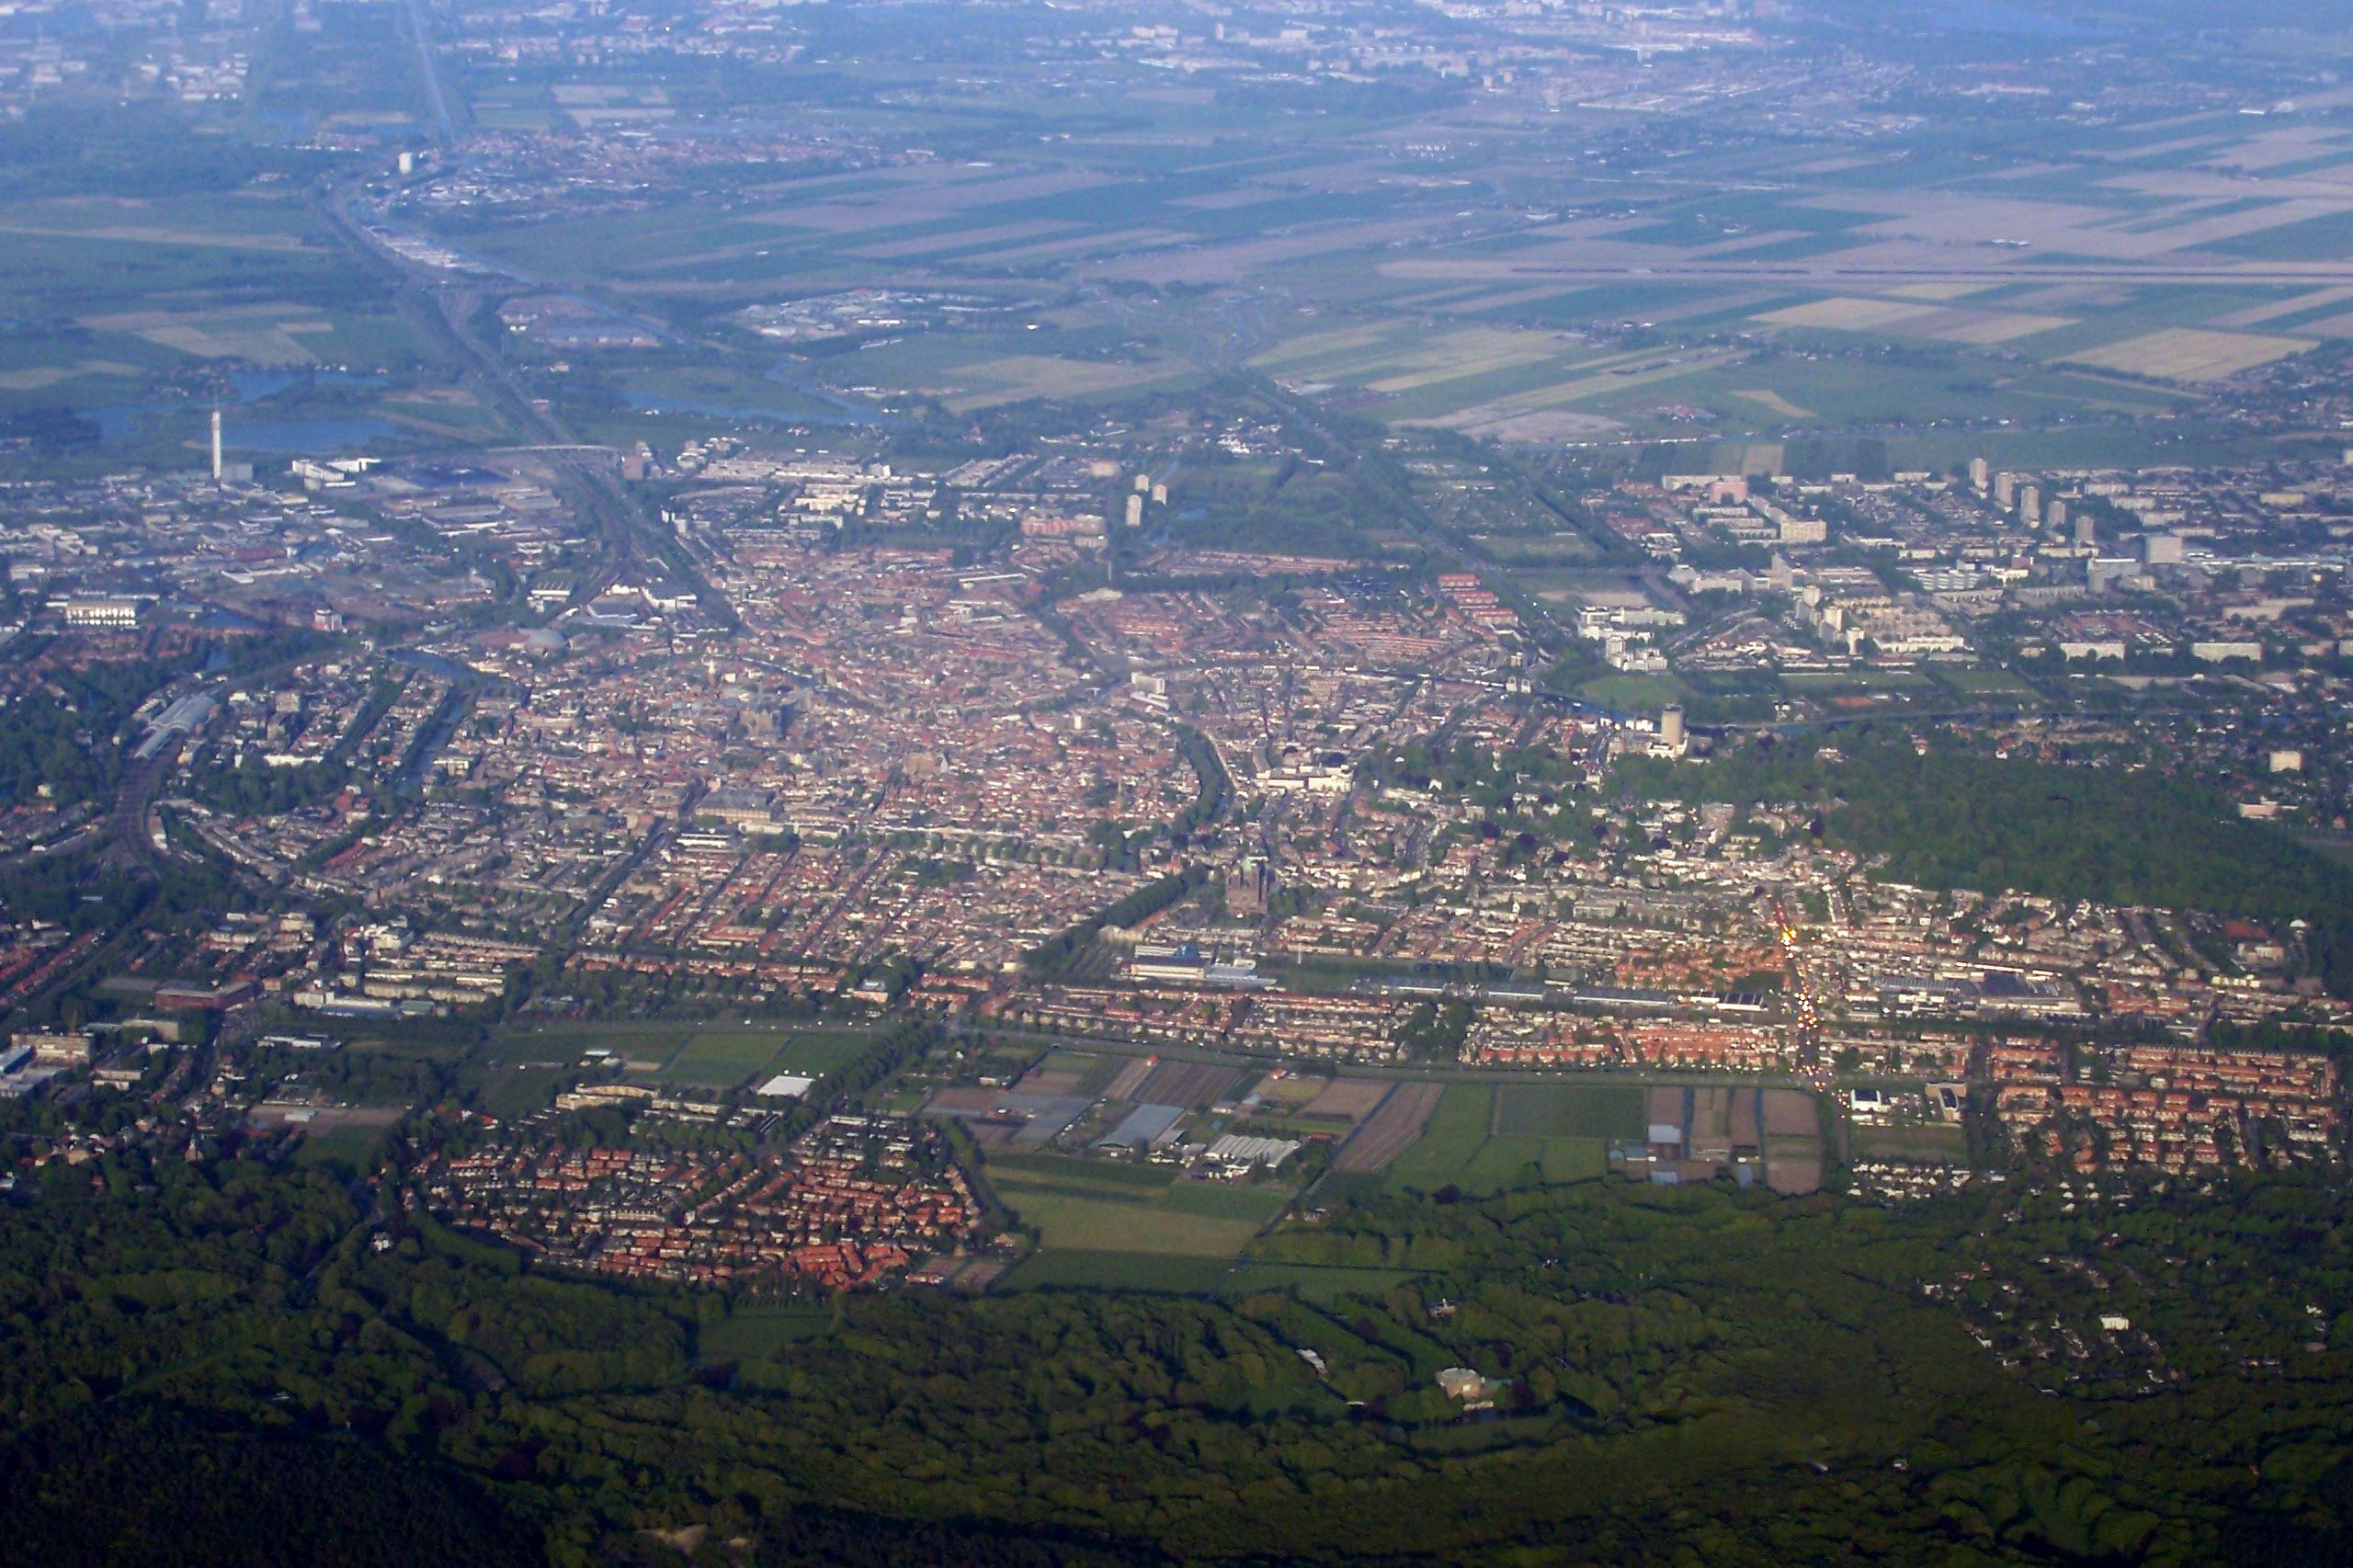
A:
(445, 310)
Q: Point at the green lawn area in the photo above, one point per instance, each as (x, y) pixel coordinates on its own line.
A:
(1568, 1110)
(716, 1062)
(510, 1092)
(644, 1042)
(1106, 1270)
(814, 1052)
(1095, 1206)
(1117, 1179)
(1455, 1132)
(1985, 683)
(722, 1057)
(1089, 1224)
(1351, 1187)
(1633, 693)
(1314, 1282)
(1094, 1072)
(1822, 683)
(708, 1057)
(1515, 1161)
(754, 1329)
(358, 1147)
(565, 1049)
(1217, 1200)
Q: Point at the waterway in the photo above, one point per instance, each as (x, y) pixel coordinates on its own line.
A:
(130, 421)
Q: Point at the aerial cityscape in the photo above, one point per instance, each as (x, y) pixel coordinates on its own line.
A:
(1143, 784)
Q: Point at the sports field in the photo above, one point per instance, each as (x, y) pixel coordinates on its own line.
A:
(707, 1056)
(723, 1057)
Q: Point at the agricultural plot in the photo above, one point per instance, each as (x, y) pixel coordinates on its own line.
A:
(1347, 1099)
(1464, 1146)
(239, 223)
(117, 308)
(1568, 1110)
(971, 370)
(2326, 237)
(2294, 308)
(1400, 359)
(2190, 354)
(1911, 318)
(1793, 1152)
(1185, 1084)
(1020, 378)
(1456, 1131)
(1512, 382)
(1391, 1129)
(1072, 1073)
(1930, 387)
(265, 335)
(1766, 398)
(1130, 1078)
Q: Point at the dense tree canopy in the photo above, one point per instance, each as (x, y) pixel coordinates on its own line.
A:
(1702, 1373)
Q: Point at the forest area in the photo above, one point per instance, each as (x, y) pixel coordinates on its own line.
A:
(196, 1351)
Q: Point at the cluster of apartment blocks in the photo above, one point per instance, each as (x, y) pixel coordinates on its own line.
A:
(432, 973)
(2171, 541)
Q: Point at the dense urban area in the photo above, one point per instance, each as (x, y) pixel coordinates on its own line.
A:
(1145, 784)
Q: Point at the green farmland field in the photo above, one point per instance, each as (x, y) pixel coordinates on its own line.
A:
(1461, 1148)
